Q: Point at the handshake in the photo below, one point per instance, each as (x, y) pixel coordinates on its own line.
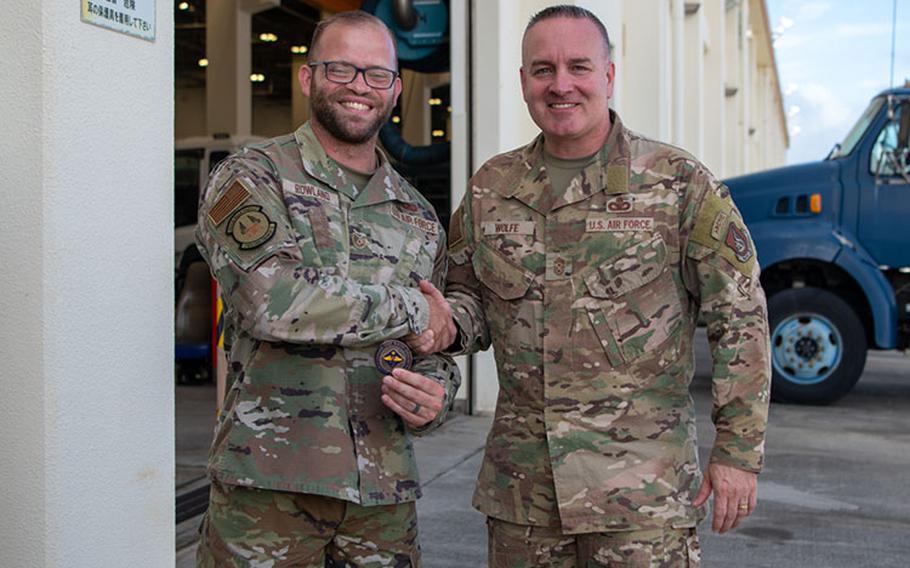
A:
(440, 332)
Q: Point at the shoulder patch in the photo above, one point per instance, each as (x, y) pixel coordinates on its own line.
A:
(738, 242)
(250, 227)
(230, 200)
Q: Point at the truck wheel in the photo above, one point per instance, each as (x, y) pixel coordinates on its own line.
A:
(818, 346)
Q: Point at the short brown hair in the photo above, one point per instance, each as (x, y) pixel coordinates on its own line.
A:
(351, 18)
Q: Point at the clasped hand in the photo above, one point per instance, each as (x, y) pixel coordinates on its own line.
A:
(440, 332)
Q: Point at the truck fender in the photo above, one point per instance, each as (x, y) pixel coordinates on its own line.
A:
(861, 267)
(782, 242)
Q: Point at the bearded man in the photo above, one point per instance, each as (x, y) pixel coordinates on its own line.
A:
(319, 247)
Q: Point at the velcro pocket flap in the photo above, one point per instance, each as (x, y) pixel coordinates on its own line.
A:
(505, 278)
(632, 268)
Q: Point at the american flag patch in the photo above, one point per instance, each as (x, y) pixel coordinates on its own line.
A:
(228, 203)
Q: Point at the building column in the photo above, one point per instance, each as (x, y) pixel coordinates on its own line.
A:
(229, 95)
(646, 68)
(87, 396)
(714, 69)
(694, 90)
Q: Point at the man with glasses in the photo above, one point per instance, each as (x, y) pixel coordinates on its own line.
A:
(319, 247)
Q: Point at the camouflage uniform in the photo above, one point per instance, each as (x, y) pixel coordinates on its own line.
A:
(590, 299)
(314, 275)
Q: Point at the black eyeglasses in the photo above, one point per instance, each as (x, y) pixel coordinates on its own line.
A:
(343, 73)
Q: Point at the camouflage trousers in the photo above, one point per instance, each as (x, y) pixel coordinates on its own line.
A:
(523, 546)
(257, 528)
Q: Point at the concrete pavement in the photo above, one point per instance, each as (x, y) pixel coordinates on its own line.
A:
(835, 492)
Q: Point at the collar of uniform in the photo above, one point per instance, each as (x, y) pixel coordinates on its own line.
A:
(608, 173)
(383, 186)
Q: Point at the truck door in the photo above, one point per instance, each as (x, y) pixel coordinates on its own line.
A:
(884, 174)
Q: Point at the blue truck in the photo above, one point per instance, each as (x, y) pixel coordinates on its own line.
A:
(833, 240)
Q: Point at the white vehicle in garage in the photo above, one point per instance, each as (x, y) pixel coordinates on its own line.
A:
(194, 159)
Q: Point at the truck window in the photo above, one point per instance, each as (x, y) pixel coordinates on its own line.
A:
(186, 186)
(886, 160)
(856, 133)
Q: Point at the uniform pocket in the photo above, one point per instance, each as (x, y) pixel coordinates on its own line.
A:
(504, 278)
(638, 311)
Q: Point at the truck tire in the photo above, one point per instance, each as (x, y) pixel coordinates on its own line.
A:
(818, 346)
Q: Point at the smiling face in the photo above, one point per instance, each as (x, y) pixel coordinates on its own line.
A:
(567, 82)
(352, 113)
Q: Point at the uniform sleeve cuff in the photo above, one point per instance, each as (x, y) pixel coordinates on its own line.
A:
(417, 309)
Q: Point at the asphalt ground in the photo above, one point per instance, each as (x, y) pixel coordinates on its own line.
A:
(835, 491)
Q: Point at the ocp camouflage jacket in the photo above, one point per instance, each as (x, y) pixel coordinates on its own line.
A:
(590, 299)
(314, 276)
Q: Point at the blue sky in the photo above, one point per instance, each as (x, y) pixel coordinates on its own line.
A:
(833, 56)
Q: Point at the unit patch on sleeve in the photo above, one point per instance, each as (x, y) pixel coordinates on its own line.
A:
(233, 198)
(250, 227)
(738, 242)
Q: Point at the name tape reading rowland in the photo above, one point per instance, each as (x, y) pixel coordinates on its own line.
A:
(131, 17)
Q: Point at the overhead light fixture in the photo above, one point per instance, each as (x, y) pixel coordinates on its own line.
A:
(257, 77)
(299, 49)
(203, 62)
(183, 6)
(439, 133)
(268, 37)
(435, 101)
(396, 119)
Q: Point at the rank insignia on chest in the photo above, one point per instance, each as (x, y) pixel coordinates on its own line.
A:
(250, 227)
(392, 354)
(738, 243)
(358, 239)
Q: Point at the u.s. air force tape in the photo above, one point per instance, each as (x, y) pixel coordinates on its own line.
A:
(392, 354)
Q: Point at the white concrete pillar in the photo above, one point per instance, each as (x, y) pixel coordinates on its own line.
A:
(229, 94)
(461, 167)
(646, 68)
(693, 99)
(734, 89)
(87, 392)
(715, 65)
(678, 72)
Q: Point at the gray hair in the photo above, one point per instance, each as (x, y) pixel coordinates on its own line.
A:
(570, 11)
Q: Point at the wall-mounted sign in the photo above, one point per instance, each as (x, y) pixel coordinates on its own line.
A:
(132, 17)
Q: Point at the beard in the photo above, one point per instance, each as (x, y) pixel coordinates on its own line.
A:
(343, 128)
